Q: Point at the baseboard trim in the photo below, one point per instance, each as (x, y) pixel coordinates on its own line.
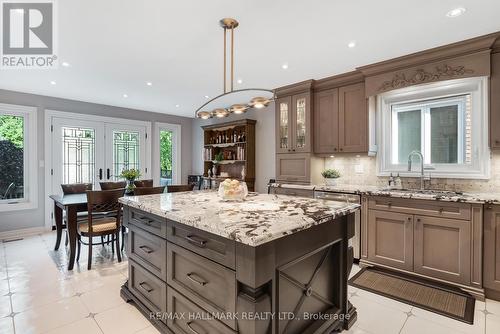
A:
(21, 233)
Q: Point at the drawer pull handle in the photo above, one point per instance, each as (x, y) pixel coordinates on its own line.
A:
(191, 328)
(146, 249)
(146, 220)
(441, 210)
(196, 241)
(389, 204)
(192, 278)
(145, 286)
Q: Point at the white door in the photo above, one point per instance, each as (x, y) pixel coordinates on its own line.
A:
(78, 152)
(125, 149)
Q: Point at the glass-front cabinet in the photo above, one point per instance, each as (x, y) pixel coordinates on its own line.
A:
(293, 122)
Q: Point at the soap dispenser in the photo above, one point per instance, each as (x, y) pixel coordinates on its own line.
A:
(398, 183)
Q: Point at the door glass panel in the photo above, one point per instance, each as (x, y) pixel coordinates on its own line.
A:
(125, 152)
(283, 125)
(11, 157)
(301, 123)
(165, 157)
(78, 155)
(409, 134)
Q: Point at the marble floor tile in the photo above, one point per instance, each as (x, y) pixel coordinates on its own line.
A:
(83, 326)
(477, 328)
(124, 319)
(7, 325)
(373, 316)
(492, 324)
(493, 307)
(148, 330)
(103, 298)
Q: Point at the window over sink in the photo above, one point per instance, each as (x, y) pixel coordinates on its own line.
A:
(445, 121)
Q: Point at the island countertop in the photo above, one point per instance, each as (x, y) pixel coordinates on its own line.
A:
(259, 219)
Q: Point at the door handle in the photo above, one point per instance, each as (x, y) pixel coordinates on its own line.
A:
(108, 173)
(100, 173)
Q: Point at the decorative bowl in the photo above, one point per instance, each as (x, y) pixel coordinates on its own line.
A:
(233, 190)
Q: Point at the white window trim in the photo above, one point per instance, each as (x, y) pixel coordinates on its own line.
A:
(477, 87)
(30, 200)
(176, 152)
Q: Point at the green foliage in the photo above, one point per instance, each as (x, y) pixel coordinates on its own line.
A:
(166, 150)
(219, 157)
(12, 129)
(130, 174)
(330, 174)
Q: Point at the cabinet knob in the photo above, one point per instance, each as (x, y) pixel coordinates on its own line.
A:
(441, 210)
(335, 149)
(409, 219)
(418, 220)
(293, 150)
(497, 142)
(341, 149)
(389, 204)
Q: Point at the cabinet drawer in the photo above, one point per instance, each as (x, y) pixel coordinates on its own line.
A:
(293, 192)
(187, 318)
(216, 248)
(207, 283)
(422, 207)
(293, 167)
(147, 288)
(148, 222)
(149, 250)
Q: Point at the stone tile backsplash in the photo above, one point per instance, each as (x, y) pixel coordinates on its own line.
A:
(360, 169)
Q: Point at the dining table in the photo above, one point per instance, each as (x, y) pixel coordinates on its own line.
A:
(72, 204)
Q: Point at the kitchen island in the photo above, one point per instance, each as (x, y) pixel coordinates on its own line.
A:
(269, 264)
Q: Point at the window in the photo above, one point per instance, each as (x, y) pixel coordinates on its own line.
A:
(17, 158)
(446, 122)
(167, 160)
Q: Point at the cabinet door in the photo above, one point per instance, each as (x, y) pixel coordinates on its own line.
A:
(353, 119)
(284, 125)
(293, 167)
(491, 264)
(326, 121)
(301, 123)
(390, 239)
(443, 248)
(495, 102)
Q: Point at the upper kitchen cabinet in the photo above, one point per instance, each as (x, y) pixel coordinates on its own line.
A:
(340, 115)
(293, 118)
(495, 99)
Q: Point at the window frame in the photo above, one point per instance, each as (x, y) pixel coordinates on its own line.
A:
(176, 130)
(30, 157)
(433, 93)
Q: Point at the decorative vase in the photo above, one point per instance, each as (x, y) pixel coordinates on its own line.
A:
(130, 186)
(330, 182)
(214, 170)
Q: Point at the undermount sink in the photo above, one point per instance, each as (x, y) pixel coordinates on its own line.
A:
(426, 191)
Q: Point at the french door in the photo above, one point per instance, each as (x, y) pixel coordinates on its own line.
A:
(93, 151)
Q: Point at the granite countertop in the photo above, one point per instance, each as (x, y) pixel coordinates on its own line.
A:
(259, 219)
(437, 195)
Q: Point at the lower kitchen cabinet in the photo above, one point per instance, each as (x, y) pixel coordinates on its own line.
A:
(390, 239)
(491, 278)
(442, 248)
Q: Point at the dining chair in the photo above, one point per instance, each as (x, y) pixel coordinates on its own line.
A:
(149, 190)
(108, 185)
(72, 189)
(180, 188)
(100, 202)
(143, 183)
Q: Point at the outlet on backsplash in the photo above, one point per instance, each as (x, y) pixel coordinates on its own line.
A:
(361, 169)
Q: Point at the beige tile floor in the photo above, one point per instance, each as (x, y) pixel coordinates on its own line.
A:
(38, 295)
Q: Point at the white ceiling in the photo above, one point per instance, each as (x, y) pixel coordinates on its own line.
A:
(116, 46)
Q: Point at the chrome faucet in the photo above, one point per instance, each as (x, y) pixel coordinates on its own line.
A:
(422, 177)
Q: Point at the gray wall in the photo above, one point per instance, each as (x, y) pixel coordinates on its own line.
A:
(35, 218)
(265, 144)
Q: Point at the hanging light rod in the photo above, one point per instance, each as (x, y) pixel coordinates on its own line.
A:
(257, 102)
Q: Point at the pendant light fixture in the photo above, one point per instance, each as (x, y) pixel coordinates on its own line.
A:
(259, 100)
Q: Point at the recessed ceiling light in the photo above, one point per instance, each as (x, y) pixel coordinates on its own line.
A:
(53, 82)
(207, 97)
(351, 44)
(149, 83)
(284, 66)
(240, 81)
(177, 106)
(456, 12)
(65, 64)
(125, 95)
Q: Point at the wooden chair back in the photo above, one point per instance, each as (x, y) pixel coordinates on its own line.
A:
(112, 185)
(75, 188)
(180, 188)
(143, 183)
(149, 190)
(105, 201)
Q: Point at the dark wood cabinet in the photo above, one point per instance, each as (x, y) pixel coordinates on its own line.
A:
(390, 239)
(495, 101)
(448, 238)
(491, 276)
(341, 120)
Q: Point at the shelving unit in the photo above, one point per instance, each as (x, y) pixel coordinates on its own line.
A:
(236, 142)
